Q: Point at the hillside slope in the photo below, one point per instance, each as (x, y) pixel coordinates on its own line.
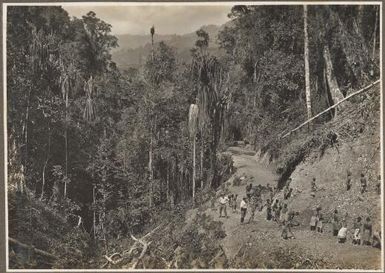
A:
(357, 149)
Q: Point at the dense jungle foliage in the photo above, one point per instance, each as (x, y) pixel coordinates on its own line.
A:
(96, 154)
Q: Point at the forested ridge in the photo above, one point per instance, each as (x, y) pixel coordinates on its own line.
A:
(97, 155)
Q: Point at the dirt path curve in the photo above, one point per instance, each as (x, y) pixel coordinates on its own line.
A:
(247, 165)
(265, 235)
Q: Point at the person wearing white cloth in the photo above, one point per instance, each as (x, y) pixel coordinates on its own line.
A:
(223, 200)
(243, 209)
(342, 234)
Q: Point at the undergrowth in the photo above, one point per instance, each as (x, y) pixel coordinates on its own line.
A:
(359, 115)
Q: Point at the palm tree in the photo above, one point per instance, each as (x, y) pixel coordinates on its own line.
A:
(213, 95)
(152, 31)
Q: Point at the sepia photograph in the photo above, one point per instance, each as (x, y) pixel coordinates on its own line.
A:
(193, 136)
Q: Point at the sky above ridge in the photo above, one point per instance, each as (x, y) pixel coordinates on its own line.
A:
(167, 19)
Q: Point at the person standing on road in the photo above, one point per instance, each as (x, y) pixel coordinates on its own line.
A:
(223, 200)
(231, 200)
(313, 188)
(234, 207)
(253, 206)
(286, 228)
(243, 209)
(248, 190)
(377, 240)
(335, 223)
(357, 231)
(283, 215)
(367, 232)
(364, 184)
(277, 210)
(313, 221)
(268, 210)
(348, 180)
(342, 233)
(320, 224)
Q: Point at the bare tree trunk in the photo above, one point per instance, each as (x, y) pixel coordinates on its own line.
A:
(255, 72)
(335, 92)
(46, 162)
(307, 72)
(167, 184)
(201, 163)
(94, 221)
(194, 171)
(359, 57)
(150, 167)
(25, 132)
(375, 36)
(66, 144)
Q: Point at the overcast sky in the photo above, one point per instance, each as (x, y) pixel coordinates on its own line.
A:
(175, 19)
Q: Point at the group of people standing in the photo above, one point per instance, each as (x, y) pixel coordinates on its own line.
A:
(278, 211)
(275, 210)
(362, 231)
(363, 183)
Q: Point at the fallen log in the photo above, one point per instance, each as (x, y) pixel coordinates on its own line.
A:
(34, 249)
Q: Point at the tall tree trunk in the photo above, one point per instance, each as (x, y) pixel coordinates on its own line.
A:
(46, 162)
(94, 220)
(194, 171)
(66, 143)
(150, 167)
(307, 72)
(24, 165)
(255, 72)
(335, 92)
(358, 59)
(375, 35)
(167, 184)
(201, 159)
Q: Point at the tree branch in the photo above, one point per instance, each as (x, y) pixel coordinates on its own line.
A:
(36, 250)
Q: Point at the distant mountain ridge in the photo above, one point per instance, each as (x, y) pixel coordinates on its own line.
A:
(133, 49)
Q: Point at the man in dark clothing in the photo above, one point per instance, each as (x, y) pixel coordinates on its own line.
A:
(313, 188)
(335, 223)
(348, 181)
(253, 206)
(268, 210)
(248, 190)
(364, 184)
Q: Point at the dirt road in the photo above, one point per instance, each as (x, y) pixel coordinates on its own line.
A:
(264, 236)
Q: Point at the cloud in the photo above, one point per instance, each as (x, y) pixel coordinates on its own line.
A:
(170, 19)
